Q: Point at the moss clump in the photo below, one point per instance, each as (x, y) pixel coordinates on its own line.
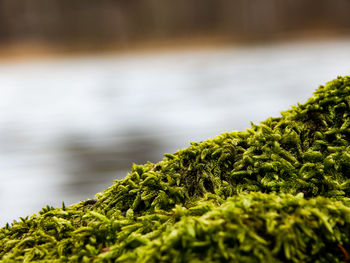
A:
(277, 192)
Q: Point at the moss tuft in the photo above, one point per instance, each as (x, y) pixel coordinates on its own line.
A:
(276, 192)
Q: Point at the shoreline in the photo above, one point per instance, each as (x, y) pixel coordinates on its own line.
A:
(26, 51)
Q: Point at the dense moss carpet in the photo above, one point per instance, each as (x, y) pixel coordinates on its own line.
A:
(276, 192)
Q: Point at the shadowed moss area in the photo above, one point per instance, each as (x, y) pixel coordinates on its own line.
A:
(276, 192)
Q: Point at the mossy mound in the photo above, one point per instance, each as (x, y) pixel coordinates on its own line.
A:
(277, 192)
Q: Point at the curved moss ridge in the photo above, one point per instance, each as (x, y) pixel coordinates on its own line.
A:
(277, 191)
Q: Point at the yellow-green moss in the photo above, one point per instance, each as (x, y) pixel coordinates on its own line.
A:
(276, 192)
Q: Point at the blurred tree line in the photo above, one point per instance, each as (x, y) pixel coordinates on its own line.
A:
(100, 22)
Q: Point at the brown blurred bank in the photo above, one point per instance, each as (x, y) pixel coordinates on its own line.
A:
(103, 24)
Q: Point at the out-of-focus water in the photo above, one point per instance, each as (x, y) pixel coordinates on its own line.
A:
(69, 126)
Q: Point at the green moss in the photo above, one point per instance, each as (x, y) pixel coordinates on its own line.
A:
(276, 192)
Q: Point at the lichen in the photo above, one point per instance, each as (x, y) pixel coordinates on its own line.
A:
(276, 192)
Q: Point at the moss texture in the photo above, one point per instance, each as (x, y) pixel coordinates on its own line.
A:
(276, 192)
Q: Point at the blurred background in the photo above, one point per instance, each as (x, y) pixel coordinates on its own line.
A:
(89, 87)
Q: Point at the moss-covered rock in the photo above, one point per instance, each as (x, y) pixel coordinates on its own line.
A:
(276, 192)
